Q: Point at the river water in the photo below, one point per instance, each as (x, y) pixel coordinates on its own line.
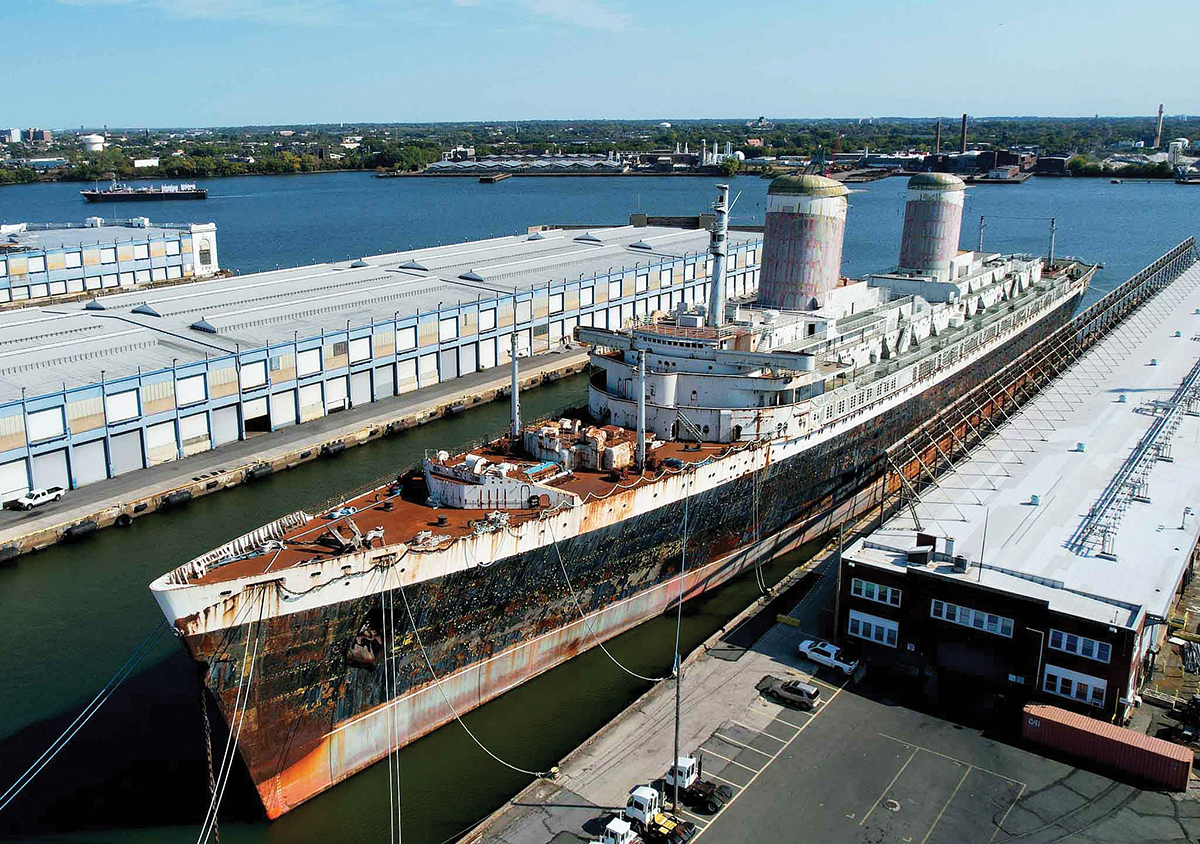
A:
(70, 615)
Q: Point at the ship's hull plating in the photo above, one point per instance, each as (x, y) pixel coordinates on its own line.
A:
(317, 709)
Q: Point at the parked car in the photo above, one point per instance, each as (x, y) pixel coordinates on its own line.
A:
(794, 693)
(38, 497)
(825, 653)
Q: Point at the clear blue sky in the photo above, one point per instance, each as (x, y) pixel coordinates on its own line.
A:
(230, 62)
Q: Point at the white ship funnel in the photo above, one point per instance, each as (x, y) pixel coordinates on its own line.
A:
(932, 222)
(802, 242)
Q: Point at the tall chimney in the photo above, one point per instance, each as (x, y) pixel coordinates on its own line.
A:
(802, 242)
(1158, 134)
(937, 138)
(932, 223)
(962, 140)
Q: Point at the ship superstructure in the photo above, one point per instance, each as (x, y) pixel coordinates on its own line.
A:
(767, 424)
(117, 192)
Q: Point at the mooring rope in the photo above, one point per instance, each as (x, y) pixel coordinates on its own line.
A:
(239, 713)
(437, 682)
(588, 625)
(83, 717)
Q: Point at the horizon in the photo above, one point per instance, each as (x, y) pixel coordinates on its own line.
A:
(259, 63)
(948, 120)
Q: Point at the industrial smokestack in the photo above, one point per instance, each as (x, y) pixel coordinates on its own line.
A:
(932, 222)
(1158, 133)
(802, 242)
(937, 138)
(962, 140)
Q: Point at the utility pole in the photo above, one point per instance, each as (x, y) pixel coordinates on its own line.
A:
(678, 626)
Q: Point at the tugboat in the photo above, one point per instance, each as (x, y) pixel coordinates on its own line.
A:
(117, 192)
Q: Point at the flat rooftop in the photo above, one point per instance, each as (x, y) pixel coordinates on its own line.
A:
(45, 347)
(1056, 549)
(73, 236)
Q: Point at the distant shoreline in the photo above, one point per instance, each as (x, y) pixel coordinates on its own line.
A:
(182, 178)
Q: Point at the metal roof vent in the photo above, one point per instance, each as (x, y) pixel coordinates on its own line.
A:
(359, 264)
(540, 236)
(93, 305)
(588, 237)
(204, 325)
(414, 265)
(471, 276)
(145, 309)
(641, 244)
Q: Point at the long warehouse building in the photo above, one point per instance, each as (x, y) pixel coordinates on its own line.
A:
(92, 390)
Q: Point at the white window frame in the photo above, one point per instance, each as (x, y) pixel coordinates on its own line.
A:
(614, 290)
(876, 592)
(1067, 683)
(587, 296)
(872, 628)
(967, 617)
(556, 303)
(487, 320)
(1065, 645)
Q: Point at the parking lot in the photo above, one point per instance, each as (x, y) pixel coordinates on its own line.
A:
(860, 767)
(858, 770)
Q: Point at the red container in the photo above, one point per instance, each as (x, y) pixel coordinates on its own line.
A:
(1149, 759)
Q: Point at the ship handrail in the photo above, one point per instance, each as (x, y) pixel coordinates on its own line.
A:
(235, 548)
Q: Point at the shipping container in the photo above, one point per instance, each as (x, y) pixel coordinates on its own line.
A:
(1147, 758)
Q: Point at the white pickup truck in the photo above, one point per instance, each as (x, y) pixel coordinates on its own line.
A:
(38, 497)
(824, 653)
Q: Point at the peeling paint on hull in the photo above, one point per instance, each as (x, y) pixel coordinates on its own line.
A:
(318, 713)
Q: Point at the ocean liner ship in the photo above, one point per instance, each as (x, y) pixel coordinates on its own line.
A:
(330, 637)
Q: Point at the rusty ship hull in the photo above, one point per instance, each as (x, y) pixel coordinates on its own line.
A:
(320, 709)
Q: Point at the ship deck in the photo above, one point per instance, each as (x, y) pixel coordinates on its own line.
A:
(403, 513)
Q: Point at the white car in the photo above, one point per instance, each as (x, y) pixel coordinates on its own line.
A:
(38, 497)
(827, 654)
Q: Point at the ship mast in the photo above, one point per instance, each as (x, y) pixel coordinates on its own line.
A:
(716, 248)
(641, 411)
(516, 391)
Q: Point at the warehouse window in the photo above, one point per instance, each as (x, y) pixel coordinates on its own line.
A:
(967, 617)
(872, 628)
(875, 592)
(1081, 645)
(1072, 684)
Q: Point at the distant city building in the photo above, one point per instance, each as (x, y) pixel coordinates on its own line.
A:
(761, 123)
(754, 142)
(664, 125)
(459, 153)
(11, 136)
(145, 162)
(44, 260)
(44, 136)
(41, 164)
(92, 143)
